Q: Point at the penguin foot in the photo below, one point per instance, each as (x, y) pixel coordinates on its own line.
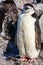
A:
(23, 59)
(32, 60)
(28, 59)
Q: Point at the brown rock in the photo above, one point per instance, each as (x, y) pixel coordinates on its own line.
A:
(10, 11)
(41, 1)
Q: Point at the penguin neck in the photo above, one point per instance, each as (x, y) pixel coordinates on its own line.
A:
(30, 12)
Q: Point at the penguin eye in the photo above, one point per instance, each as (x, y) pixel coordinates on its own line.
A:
(26, 8)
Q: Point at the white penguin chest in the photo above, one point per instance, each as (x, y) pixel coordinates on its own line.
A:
(29, 25)
(29, 30)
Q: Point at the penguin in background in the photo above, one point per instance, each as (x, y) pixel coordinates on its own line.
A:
(28, 34)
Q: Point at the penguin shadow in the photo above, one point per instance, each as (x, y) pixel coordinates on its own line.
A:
(11, 50)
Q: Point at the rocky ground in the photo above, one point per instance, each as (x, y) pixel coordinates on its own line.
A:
(8, 51)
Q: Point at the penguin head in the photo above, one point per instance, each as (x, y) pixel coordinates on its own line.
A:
(28, 8)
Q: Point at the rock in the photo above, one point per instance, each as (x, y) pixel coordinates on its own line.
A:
(20, 4)
(41, 54)
(39, 10)
(10, 12)
(2, 0)
(3, 45)
(3, 62)
(41, 1)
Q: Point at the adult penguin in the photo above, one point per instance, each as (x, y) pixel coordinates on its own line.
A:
(28, 34)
